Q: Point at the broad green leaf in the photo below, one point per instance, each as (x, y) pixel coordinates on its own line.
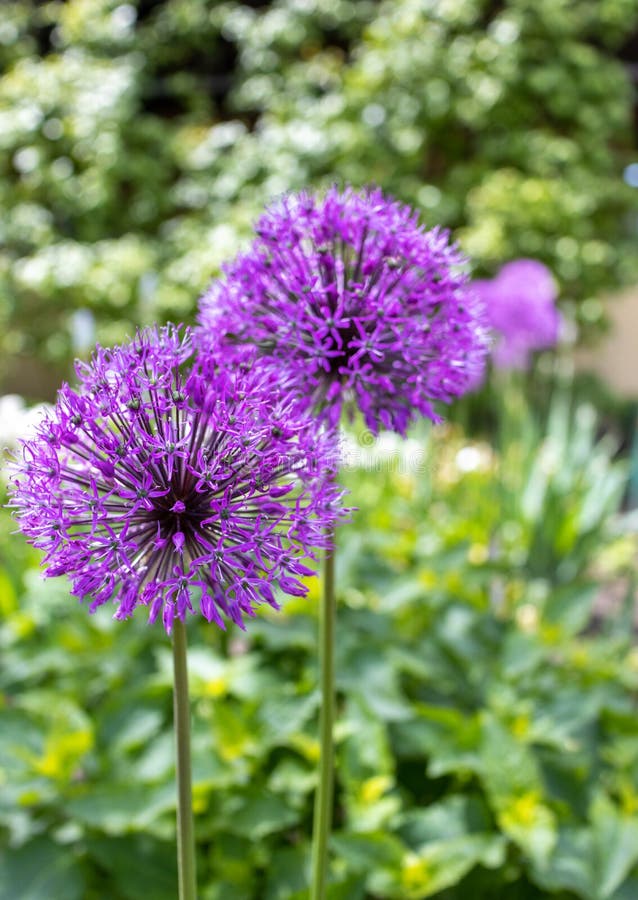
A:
(292, 778)
(118, 809)
(455, 816)
(570, 865)
(570, 607)
(234, 858)
(437, 866)
(362, 852)
(130, 726)
(138, 865)
(447, 737)
(594, 861)
(21, 737)
(254, 814)
(515, 790)
(615, 845)
(40, 870)
(287, 873)
(365, 752)
(284, 714)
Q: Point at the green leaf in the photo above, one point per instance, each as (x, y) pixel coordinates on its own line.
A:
(118, 809)
(570, 607)
(234, 859)
(131, 725)
(521, 653)
(594, 861)
(615, 845)
(570, 866)
(40, 870)
(20, 737)
(256, 813)
(516, 792)
(365, 752)
(284, 714)
(287, 873)
(448, 737)
(627, 891)
(437, 866)
(453, 817)
(371, 673)
(138, 865)
(362, 852)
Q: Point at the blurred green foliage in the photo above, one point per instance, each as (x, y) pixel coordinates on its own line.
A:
(487, 736)
(139, 139)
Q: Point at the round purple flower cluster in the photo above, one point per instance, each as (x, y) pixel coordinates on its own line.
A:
(357, 302)
(520, 304)
(165, 482)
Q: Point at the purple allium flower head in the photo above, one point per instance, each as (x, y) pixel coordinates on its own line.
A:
(167, 483)
(358, 301)
(520, 304)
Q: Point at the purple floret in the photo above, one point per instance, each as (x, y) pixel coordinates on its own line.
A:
(520, 304)
(362, 305)
(167, 483)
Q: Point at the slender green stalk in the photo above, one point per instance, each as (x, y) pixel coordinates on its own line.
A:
(323, 797)
(185, 830)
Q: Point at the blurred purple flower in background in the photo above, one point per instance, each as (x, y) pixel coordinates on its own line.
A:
(520, 304)
(362, 305)
(164, 482)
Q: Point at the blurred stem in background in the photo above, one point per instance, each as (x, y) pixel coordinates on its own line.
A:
(185, 828)
(633, 457)
(323, 797)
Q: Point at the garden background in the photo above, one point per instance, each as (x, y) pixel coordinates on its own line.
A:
(486, 660)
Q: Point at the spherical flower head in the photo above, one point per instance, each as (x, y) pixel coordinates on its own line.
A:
(166, 482)
(358, 301)
(520, 304)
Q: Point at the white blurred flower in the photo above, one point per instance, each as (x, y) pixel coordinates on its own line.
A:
(387, 452)
(17, 420)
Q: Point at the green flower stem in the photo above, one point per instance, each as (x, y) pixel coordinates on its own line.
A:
(182, 719)
(323, 797)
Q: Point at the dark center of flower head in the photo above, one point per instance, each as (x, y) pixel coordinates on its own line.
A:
(175, 516)
(337, 289)
(172, 515)
(354, 285)
(339, 351)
